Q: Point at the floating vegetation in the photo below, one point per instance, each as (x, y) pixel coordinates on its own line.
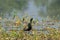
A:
(45, 33)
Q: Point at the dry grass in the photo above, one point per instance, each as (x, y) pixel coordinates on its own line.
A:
(51, 33)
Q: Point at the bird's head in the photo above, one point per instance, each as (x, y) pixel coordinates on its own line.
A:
(31, 20)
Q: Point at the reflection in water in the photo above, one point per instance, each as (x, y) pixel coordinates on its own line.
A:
(43, 10)
(34, 11)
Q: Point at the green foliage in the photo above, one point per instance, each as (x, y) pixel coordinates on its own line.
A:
(6, 6)
(41, 2)
(54, 9)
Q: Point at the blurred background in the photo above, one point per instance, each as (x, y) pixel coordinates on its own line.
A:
(35, 8)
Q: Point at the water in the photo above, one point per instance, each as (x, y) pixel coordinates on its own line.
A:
(32, 11)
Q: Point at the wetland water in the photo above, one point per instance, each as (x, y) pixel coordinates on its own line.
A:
(33, 11)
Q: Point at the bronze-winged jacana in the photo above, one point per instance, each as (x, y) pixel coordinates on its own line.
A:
(29, 25)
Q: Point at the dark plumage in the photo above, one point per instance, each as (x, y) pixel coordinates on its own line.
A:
(29, 25)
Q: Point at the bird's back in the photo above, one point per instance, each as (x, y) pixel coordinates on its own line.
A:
(29, 27)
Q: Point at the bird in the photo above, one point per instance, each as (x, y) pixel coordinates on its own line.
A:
(29, 25)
